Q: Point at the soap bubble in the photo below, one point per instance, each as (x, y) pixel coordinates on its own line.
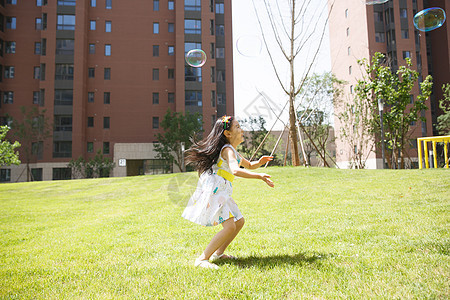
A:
(196, 58)
(373, 2)
(429, 19)
(249, 45)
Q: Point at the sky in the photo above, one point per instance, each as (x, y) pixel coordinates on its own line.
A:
(255, 83)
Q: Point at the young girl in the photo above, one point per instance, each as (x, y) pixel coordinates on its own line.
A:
(217, 162)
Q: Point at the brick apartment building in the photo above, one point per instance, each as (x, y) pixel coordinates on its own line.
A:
(358, 31)
(106, 72)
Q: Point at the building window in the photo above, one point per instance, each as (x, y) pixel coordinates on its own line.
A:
(378, 16)
(37, 73)
(155, 5)
(91, 48)
(192, 74)
(92, 24)
(220, 52)
(90, 122)
(107, 74)
(42, 72)
(5, 175)
(93, 3)
(62, 149)
(63, 123)
(13, 2)
(351, 89)
(192, 26)
(90, 147)
(66, 22)
(346, 13)
(106, 123)
(91, 97)
(406, 54)
(37, 48)
(171, 50)
(65, 47)
(405, 34)
(155, 123)
(403, 13)
(107, 50)
(171, 5)
(11, 47)
(213, 74)
(43, 46)
(171, 73)
(10, 22)
(63, 97)
(155, 27)
(108, 4)
(212, 50)
(105, 147)
(221, 99)
(36, 97)
(349, 51)
(41, 2)
(211, 27)
(220, 75)
(91, 72)
(379, 37)
(155, 74)
(36, 173)
(171, 97)
(220, 30)
(193, 98)
(350, 70)
(194, 5)
(67, 2)
(213, 98)
(171, 27)
(348, 31)
(155, 98)
(38, 24)
(9, 72)
(8, 97)
(190, 46)
(155, 50)
(106, 98)
(64, 72)
(220, 8)
(108, 26)
(62, 173)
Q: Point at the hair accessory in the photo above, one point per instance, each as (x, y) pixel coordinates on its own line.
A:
(226, 122)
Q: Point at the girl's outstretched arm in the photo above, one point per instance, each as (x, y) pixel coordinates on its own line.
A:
(255, 164)
(229, 155)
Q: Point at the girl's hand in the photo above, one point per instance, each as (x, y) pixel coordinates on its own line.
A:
(266, 179)
(265, 159)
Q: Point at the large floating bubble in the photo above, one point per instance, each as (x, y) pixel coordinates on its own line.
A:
(373, 2)
(196, 58)
(429, 19)
(249, 45)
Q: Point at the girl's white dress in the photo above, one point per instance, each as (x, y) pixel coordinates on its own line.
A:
(211, 203)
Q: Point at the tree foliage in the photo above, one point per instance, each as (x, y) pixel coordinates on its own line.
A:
(178, 128)
(400, 108)
(8, 155)
(31, 128)
(99, 166)
(443, 121)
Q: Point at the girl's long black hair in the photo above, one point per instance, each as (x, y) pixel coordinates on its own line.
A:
(203, 155)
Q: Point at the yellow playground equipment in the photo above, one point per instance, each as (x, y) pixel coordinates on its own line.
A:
(434, 140)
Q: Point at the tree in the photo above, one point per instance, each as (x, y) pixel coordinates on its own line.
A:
(291, 40)
(99, 166)
(443, 121)
(179, 128)
(7, 154)
(400, 109)
(31, 130)
(255, 131)
(318, 94)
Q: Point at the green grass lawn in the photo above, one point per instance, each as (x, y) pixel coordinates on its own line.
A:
(320, 233)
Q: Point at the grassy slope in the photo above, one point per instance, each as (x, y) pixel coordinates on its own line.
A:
(322, 233)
